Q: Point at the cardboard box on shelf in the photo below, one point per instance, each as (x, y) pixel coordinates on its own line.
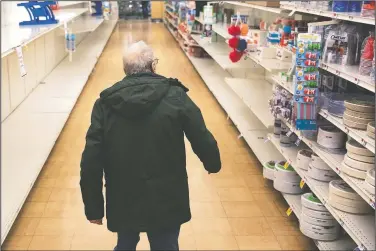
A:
(265, 3)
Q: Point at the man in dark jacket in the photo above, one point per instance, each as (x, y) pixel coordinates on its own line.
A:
(136, 138)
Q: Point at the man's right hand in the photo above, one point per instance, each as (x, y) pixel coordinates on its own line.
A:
(97, 222)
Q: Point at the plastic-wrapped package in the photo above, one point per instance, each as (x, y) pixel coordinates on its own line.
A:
(355, 6)
(367, 55)
(368, 9)
(336, 105)
(342, 45)
(340, 6)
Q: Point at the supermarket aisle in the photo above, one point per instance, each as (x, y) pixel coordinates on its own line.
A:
(235, 209)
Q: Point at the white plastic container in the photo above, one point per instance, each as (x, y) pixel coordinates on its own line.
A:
(352, 172)
(321, 175)
(317, 214)
(318, 163)
(268, 170)
(318, 236)
(335, 229)
(287, 175)
(370, 177)
(342, 189)
(336, 202)
(362, 166)
(303, 159)
(311, 202)
(287, 187)
(318, 222)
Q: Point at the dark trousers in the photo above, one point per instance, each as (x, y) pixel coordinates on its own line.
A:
(159, 240)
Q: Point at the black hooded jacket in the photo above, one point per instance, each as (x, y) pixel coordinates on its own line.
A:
(136, 138)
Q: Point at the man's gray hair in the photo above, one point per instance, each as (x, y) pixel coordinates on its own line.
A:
(138, 58)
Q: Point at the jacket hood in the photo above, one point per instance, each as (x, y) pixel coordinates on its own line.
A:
(138, 94)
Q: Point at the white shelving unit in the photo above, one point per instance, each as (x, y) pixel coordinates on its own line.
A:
(21, 36)
(353, 17)
(254, 94)
(71, 3)
(358, 135)
(254, 91)
(252, 6)
(172, 14)
(34, 126)
(361, 228)
(86, 23)
(350, 73)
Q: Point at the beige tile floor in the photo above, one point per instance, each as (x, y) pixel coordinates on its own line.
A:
(233, 210)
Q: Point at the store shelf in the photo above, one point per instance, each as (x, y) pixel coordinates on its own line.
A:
(71, 3)
(172, 22)
(360, 228)
(252, 6)
(353, 17)
(255, 94)
(286, 85)
(220, 53)
(87, 23)
(250, 127)
(33, 128)
(358, 135)
(21, 36)
(350, 73)
(170, 6)
(344, 243)
(271, 65)
(187, 40)
(172, 14)
(335, 162)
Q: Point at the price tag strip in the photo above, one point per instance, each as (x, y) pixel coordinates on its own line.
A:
(21, 61)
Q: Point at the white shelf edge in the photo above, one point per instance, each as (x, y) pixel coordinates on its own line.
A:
(172, 14)
(252, 6)
(335, 15)
(48, 29)
(351, 74)
(349, 222)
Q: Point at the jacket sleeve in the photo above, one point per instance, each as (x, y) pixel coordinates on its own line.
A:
(92, 167)
(202, 141)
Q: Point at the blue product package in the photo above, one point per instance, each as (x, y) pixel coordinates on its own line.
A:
(355, 6)
(340, 6)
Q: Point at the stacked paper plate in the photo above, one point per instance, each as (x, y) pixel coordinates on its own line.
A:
(358, 160)
(268, 170)
(359, 112)
(303, 159)
(316, 222)
(286, 180)
(344, 198)
(331, 139)
(369, 184)
(371, 130)
(319, 170)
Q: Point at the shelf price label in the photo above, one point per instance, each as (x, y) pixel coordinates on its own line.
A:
(287, 164)
(288, 134)
(302, 183)
(297, 142)
(289, 211)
